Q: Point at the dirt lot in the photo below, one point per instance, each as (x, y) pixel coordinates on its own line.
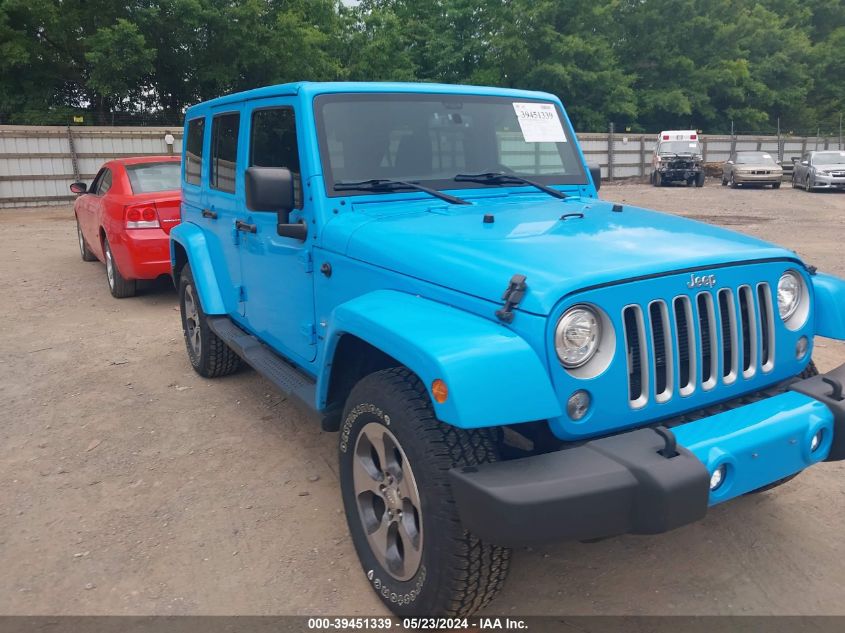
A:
(132, 486)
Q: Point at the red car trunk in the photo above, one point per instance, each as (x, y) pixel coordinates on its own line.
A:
(168, 212)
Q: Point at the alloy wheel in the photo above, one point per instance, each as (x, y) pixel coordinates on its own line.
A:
(388, 501)
(109, 266)
(81, 240)
(192, 321)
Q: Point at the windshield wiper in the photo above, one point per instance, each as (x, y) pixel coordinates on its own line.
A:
(501, 178)
(386, 184)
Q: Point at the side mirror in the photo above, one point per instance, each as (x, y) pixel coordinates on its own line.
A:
(595, 173)
(805, 162)
(79, 188)
(271, 189)
(795, 159)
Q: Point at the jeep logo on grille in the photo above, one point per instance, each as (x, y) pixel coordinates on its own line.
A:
(701, 281)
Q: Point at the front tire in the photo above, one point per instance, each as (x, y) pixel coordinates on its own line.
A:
(119, 286)
(209, 355)
(776, 185)
(699, 180)
(395, 458)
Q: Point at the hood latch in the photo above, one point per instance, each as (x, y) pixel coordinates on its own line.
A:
(513, 295)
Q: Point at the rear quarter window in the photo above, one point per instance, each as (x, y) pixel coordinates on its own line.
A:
(150, 177)
(194, 151)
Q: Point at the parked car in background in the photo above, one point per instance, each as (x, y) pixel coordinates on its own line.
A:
(677, 158)
(752, 168)
(124, 217)
(820, 170)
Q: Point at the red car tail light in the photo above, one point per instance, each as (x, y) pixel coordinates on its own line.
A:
(141, 216)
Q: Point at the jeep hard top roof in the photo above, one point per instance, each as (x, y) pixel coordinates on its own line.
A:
(310, 89)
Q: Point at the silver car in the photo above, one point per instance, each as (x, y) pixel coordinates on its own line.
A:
(820, 170)
(752, 168)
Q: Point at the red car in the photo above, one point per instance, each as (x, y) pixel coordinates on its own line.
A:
(124, 218)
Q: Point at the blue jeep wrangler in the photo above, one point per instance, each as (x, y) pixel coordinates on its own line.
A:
(507, 358)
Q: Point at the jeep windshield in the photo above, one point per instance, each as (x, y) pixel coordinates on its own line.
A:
(428, 139)
(679, 148)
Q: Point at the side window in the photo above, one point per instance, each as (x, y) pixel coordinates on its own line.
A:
(273, 144)
(96, 182)
(193, 151)
(224, 151)
(105, 183)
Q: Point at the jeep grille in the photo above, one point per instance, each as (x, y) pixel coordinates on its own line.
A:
(718, 337)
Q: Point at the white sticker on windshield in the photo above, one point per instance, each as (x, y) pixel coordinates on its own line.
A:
(539, 123)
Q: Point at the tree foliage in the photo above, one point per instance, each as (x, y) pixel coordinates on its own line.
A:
(642, 64)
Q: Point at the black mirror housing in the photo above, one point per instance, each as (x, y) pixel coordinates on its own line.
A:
(595, 172)
(269, 189)
(79, 188)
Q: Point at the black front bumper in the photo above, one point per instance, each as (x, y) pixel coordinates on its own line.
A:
(621, 484)
(673, 173)
(614, 485)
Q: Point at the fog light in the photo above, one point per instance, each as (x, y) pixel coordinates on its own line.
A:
(817, 440)
(718, 477)
(578, 404)
(801, 348)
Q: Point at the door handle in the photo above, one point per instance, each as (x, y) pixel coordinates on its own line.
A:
(209, 214)
(245, 227)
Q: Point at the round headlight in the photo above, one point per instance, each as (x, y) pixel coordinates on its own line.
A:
(577, 336)
(789, 294)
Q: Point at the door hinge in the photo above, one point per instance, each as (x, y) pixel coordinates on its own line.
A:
(241, 294)
(305, 259)
(309, 332)
(512, 296)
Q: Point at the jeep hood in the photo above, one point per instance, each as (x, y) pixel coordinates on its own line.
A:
(451, 246)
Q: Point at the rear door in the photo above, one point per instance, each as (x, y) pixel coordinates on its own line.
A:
(277, 274)
(223, 200)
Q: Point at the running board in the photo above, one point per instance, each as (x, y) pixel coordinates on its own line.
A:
(265, 361)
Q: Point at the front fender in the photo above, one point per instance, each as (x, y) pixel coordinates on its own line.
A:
(830, 306)
(191, 238)
(494, 377)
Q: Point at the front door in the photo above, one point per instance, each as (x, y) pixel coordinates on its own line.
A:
(277, 277)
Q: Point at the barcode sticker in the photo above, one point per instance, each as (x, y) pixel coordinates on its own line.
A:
(539, 123)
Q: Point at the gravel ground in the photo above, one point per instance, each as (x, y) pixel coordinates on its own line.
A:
(132, 486)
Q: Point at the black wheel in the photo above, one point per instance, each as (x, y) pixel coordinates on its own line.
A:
(807, 185)
(776, 185)
(724, 181)
(794, 183)
(119, 286)
(809, 371)
(699, 180)
(394, 462)
(84, 251)
(209, 355)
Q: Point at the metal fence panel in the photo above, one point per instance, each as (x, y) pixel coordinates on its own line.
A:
(38, 163)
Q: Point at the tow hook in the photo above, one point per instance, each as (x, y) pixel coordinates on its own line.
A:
(670, 448)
